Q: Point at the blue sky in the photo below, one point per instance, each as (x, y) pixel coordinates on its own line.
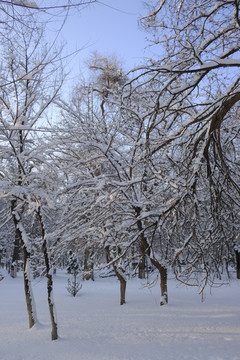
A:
(108, 27)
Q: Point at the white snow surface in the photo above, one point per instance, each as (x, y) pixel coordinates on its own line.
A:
(93, 326)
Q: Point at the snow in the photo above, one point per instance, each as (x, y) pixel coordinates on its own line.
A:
(30, 4)
(93, 326)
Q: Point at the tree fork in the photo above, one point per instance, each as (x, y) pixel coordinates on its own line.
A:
(123, 283)
(162, 270)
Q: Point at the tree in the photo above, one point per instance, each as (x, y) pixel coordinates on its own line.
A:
(31, 74)
(30, 14)
(163, 142)
(73, 268)
(108, 76)
(45, 249)
(107, 158)
(193, 93)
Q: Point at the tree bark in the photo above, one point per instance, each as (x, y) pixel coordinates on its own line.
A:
(238, 263)
(142, 262)
(17, 244)
(32, 317)
(49, 277)
(51, 307)
(123, 285)
(163, 285)
(163, 281)
(15, 256)
(28, 291)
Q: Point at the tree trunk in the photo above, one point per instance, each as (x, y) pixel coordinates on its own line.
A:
(49, 278)
(16, 248)
(123, 285)
(238, 263)
(142, 262)
(87, 267)
(162, 270)
(121, 278)
(51, 306)
(163, 286)
(28, 290)
(163, 281)
(20, 234)
(13, 270)
(15, 256)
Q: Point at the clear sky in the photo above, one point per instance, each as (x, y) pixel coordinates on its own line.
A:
(108, 27)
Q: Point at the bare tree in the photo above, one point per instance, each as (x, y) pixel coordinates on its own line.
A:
(31, 72)
(193, 92)
(166, 152)
(107, 156)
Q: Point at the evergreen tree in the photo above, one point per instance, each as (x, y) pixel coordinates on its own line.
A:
(73, 268)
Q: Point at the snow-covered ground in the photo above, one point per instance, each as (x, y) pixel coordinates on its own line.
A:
(93, 326)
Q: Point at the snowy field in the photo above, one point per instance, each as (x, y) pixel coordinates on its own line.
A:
(93, 326)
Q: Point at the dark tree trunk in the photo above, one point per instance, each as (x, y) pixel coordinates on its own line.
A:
(238, 263)
(16, 248)
(163, 281)
(49, 277)
(123, 285)
(163, 285)
(15, 256)
(142, 262)
(16, 253)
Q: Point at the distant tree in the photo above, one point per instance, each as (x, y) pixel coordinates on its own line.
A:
(108, 76)
(73, 268)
